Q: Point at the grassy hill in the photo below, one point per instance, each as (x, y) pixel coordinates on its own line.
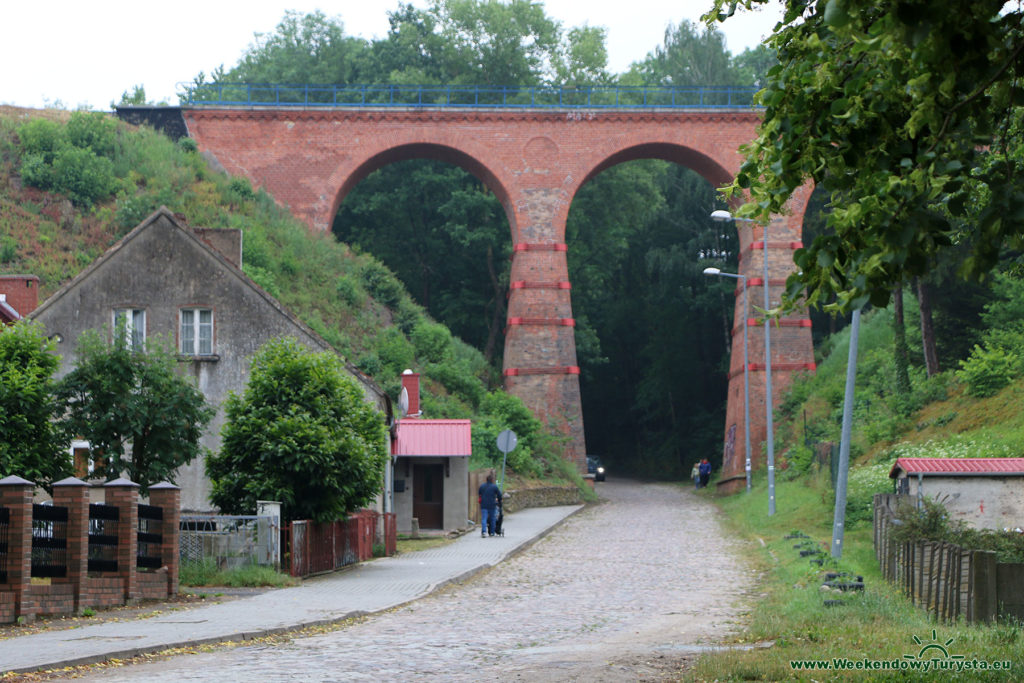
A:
(105, 177)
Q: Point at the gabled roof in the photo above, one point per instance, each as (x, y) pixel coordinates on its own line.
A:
(438, 438)
(967, 467)
(165, 214)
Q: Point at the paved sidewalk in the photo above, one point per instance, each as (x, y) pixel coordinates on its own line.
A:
(366, 588)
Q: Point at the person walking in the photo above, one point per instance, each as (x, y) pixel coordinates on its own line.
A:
(695, 475)
(490, 499)
(705, 472)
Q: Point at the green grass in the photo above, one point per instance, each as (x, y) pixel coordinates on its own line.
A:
(878, 624)
(206, 573)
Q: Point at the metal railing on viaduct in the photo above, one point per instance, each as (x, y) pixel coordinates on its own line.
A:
(466, 96)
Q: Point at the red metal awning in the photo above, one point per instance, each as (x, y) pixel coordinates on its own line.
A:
(433, 438)
(995, 467)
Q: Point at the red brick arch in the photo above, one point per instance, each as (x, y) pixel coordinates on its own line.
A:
(534, 161)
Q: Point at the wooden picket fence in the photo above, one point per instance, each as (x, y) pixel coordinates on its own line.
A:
(945, 579)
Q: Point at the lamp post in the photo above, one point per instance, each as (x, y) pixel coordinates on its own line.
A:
(725, 216)
(746, 368)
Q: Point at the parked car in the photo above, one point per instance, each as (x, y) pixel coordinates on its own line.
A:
(595, 467)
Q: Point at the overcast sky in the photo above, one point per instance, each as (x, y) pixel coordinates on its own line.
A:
(85, 54)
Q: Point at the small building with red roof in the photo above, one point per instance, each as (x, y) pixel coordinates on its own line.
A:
(987, 493)
(431, 466)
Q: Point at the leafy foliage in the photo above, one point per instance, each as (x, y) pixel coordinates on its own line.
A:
(303, 434)
(75, 159)
(133, 408)
(32, 447)
(909, 119)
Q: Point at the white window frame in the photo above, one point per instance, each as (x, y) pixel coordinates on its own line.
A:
(191, 327)
(135, 328)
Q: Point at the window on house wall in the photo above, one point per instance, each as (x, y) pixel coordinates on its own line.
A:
(196, 332)
(86, 463)
(134, 321)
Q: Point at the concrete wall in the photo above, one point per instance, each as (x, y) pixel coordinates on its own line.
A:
(162, 267)
(982, 502)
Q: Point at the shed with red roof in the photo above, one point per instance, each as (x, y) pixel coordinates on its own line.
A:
(431, 467)
(987, 493)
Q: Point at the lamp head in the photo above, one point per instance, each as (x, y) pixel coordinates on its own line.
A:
(712, 271)
(721, 216)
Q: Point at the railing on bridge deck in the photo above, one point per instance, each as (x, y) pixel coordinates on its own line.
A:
(487, 97)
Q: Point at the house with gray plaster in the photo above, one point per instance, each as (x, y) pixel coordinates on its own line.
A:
(185, 285)
(986, 493)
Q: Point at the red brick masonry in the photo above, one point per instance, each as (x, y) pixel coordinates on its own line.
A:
(534, 161)
(79, 589)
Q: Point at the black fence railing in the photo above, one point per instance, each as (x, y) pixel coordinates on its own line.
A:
(49, 541)
(103, 531)
(150, 537)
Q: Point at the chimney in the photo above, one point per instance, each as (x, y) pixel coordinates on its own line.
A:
(21, 292)
(228, 241)
(411, 385)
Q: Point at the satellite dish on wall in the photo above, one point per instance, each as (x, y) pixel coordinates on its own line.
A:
(403, 403)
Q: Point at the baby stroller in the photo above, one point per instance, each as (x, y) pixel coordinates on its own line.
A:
(499, 525)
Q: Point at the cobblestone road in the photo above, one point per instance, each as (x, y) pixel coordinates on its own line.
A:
(622, 591)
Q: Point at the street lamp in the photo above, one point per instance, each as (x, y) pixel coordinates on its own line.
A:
(724, 216)
(746, 367)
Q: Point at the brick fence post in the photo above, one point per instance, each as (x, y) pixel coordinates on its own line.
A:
(73, 494)
(124, 495)
(16, 496)
(168, 497)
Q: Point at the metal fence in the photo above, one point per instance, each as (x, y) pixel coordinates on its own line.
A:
(103, 535)
(49, 541)
(230, 540)
(471, 96)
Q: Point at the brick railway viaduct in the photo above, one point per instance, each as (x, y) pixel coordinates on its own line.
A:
(534, 160)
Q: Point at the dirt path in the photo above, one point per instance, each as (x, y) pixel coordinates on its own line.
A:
(627, 590)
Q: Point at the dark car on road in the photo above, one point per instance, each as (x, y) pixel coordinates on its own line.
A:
(595, 467)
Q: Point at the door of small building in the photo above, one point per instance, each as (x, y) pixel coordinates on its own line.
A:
(428, 495)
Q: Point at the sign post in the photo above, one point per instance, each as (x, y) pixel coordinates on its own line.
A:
(506, 442)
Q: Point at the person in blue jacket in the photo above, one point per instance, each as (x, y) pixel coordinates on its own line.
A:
(490, 499)
(705, 472)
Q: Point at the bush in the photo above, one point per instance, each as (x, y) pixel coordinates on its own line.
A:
(42, 138)
(82, 175)
(862, 485)
(988, 370)
(381, 284)
(188, 145)
(93, 131)
(433, 342)
(303, 434)
(349, 291)
(395, 352)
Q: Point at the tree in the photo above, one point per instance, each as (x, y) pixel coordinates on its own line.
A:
(302, 433)
(690, 57)
(32, 447)
(133, 408)
(910, 119)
